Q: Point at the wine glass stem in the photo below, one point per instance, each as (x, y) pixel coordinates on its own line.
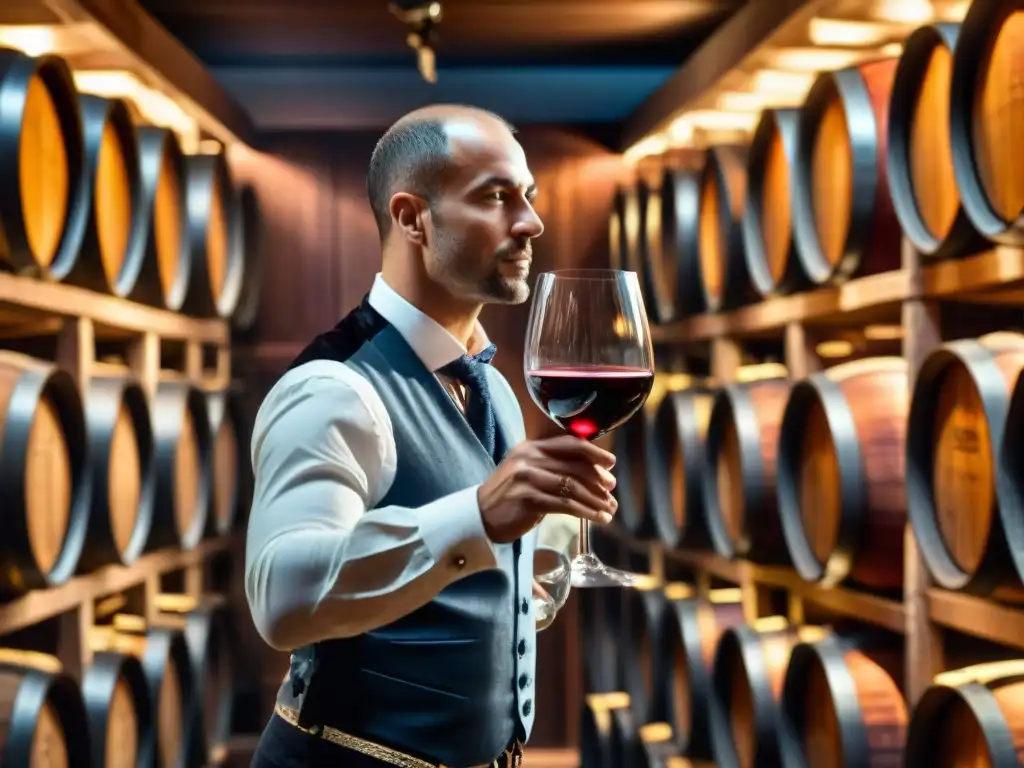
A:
(584, 537)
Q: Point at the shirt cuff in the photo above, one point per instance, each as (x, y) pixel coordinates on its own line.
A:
(453, 531)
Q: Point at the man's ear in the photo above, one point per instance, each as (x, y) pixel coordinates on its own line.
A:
(408, 212)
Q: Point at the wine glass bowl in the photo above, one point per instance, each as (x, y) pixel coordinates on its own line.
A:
(589, 366)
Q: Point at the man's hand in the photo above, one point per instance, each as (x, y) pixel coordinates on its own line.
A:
(563, 474)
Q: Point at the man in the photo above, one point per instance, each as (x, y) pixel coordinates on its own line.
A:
(396, 504)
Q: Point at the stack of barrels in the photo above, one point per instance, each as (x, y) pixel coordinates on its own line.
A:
(707, 685)
(93, 197)
(156, 693)
(100, 470)
(918, 145)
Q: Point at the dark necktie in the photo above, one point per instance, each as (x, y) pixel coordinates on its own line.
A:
(469, 371)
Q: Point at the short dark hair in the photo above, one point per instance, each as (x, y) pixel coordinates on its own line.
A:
(411, 154)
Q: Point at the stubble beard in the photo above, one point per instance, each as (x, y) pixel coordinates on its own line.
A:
(454, 267)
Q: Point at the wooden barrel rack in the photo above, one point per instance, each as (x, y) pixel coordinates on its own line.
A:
(675, 465)
(41, 138)
(768, 241)
(739, 482)
(985, 72)
(842, 703)
(123, 473)
(840, 473)
(959, 406)
(182, 448)
(841, 157)
(921, 178)
(42, 716)
(44, 475)
(120, 714)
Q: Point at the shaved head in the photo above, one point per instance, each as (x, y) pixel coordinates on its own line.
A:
(414, 153)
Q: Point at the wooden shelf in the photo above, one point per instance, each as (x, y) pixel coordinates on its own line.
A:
(33, 300)
(43, 604)
(121, 36)
(975, 616)
(995, 277)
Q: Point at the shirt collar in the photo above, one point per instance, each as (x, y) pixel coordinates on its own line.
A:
(432, 343)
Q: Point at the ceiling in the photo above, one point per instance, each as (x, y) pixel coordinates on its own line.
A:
(345, 64)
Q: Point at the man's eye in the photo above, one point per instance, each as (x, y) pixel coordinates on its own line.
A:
(500, 195)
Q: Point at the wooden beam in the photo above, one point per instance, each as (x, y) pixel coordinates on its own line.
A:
(144, 46)
(720, 53)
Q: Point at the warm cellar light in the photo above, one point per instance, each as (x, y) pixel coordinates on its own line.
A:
(852, 33)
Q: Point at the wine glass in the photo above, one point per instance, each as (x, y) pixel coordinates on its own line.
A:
(589, 366)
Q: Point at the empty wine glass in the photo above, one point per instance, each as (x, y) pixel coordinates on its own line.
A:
(589, 366)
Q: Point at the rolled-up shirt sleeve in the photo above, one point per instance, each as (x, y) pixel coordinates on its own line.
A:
(321, 562)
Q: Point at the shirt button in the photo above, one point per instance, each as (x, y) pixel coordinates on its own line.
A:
(527, 708)
(525, 607)
(522, 648)
(523, 680)
(458, 561)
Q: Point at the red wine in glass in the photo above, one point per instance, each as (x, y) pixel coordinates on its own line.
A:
(589, 366)
(590, 401)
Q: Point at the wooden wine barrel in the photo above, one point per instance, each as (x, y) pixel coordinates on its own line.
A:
(44, 480)
(113, 248)
(164, 276)
(251, 232)
(229, 451)
(748, 673)
(691, 630)
(628, 443)
(182, 455)
(617, 246)
(123, 472)
(920, 171)
(42, 717)
(842, 702)
(723, 196)
(985, 112)
(680, 293)
(841, 489)
(739, 485)
(214, 237)
(43, 202)
(170, 678)
(119, 710)
(674, 453)
(843, 218)
(608, 734)
(970, 716)
(209, 637)
(768, 242)
(954, 432)
(643, 610)
(600, 619)
(1010, 468)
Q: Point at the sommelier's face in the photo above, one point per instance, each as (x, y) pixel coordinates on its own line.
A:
(481, 222)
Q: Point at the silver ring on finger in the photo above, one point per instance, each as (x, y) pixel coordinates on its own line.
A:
(565, 487)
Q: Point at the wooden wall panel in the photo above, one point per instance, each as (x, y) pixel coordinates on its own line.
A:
(322, 254)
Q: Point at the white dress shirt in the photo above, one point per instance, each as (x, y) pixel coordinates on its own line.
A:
(320, 561)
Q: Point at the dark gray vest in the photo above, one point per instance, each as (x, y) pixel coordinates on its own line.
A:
(453, 681)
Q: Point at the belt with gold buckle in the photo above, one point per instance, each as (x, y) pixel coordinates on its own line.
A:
(510, 758)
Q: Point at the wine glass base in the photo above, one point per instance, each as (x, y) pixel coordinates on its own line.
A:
(588, 571)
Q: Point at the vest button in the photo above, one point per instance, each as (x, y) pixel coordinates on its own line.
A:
(458, 561)
(527, 708)
(522, 648)
(525, 607)
(523, 680)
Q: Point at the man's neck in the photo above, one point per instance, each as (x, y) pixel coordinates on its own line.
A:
(458, 318)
